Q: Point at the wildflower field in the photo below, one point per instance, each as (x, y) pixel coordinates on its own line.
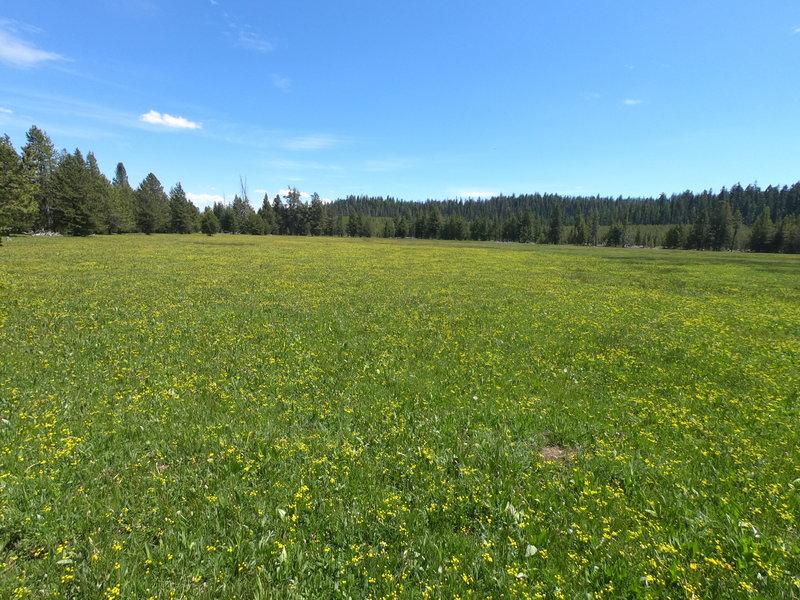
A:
(275, 417)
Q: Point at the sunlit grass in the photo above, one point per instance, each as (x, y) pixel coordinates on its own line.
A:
(316, 418)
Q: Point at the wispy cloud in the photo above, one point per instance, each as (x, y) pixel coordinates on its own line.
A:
(293, 167)
(156, 118)
(796, 30)
(203, 200)
(6, 111)
(17, 52)
(284, 84)
(303, 195)
(247, 38)
(312, 142)
(631, 102)
(387, 165)
(244, 35)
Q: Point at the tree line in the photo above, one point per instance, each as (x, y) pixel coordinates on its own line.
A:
(765, 220)
(58, 191)
(65, 192)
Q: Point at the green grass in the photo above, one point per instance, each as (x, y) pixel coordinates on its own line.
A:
(238, 417)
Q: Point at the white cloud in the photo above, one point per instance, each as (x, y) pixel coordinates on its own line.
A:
(631, 102)
(312, 142)
(244, 35)
(156, 118)
(303, 195)
(796, 30)
(252, 41)
(6, 111)
(284, 84)
(203, 200)
(19, 53)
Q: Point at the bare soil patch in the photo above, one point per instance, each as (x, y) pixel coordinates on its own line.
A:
(557, 454)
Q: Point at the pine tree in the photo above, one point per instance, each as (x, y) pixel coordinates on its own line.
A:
(355, 225)
(735, 227)
(674, 237)
(74, 209)
(401, 227)
(296, 214)
(420, 229)
(554, 231)
(367, 229)
(253, 224)
(316, 215)
(40, 159)
(594, 235)
(267, 216)
(98, 199)
(699, 237)
(388, 229)
(209, 224)
(615, 236)
(120, 217)
(762, 232)
(580, 233)
(152, 206)
(279, 211)
(721, 226)
(527, 232)
(18, 207)
(240, 210)
(183, 214)
(433, 226)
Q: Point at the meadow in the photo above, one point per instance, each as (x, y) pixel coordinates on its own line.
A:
(274, 417)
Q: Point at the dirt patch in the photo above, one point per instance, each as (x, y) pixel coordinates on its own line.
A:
(557, 454)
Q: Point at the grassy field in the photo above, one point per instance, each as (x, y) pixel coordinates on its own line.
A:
(237, 417)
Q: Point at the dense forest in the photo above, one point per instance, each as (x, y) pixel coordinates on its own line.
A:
(45, 190)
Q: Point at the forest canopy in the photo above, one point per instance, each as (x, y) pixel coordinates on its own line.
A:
(45, 190)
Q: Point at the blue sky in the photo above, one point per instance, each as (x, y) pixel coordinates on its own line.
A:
(412, 99)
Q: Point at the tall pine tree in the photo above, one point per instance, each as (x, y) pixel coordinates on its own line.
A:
(40, 159)
(18, 208)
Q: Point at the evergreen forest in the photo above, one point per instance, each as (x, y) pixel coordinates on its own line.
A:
(50, 191)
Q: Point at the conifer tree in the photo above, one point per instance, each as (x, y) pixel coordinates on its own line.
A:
(183, 214)
(98, 196)
(253, 224)
(74, 200)
(674, 237)
(554, 231)
(316, 215)
(120, 217)
(762, 232)
(280, 216)
(39, 158)
(433, 227)
(355, 225)
(267, 215)
(594, 235)
(721, 226)
(152, 206)
(209, 224)
(18, 207)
